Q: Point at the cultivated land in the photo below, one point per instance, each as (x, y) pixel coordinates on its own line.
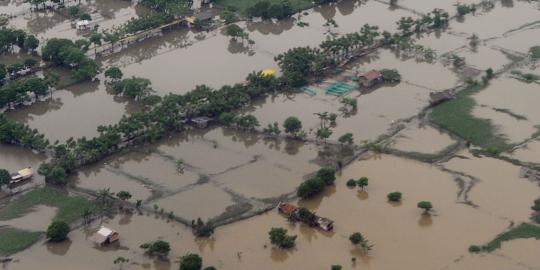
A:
(474, 155)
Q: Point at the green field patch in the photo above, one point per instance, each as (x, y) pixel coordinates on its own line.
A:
(13, 240)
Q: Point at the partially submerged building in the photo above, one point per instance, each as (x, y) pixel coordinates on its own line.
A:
(370, 78)
(292, 211)
(201, 122)
(105, 236)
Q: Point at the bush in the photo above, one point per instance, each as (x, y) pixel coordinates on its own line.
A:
(426, 205)
(336, 267)
(474, 249)
(390, 75)
(159, 248)
(310, 188)
(191, 262)
(356, 238)
(394, 196)
(351, 183)
(328, 175)
(279, 237)
(57, 231)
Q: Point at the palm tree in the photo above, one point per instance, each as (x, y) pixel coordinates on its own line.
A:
(86, 215)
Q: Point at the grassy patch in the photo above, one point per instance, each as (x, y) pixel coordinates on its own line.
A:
(456, 116)
(243, 5)
(14, 240)
(522, 231)
(69, 208)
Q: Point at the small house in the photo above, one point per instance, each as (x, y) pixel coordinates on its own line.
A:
(324, 223)
(201, 122)
(105, 236)
(370, 78)
(287, 208)
(21, 175)
(82, 25)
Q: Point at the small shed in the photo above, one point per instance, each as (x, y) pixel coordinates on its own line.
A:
(287, 208)
(201, 122)
(105, 236)
(370, 78)
(82, 24)
(324, 223)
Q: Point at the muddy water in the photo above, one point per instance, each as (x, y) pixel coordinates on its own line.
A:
(13, 7)
(506, 16)
(520, 40)
(37, 220)
(104, 13)
(425, 6)
(13, 159)
(442, 42)
(498, 179)
(245, 244)
(205, 201)
(422, 139)
(519, 250)
(76, 111)
(483, 57)
(528, 153)
(515, 96)
(212, 59)
(99, 177)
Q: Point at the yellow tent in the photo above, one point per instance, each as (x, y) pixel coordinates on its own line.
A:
(268, 72)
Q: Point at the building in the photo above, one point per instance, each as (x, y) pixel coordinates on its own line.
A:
(287, 208)
(21, 175)
(370, 78)
(292, 211)
(324, 223)
(201, 122)
(82, 25)
(105, 236)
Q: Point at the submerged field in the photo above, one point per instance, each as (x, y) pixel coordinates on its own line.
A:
(473, 155)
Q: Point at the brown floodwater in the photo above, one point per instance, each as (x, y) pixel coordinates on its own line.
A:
(245, 244)
(422, 139)
(520, 40)
(517, 97)
(13, 7)
(14, 158)
(442, 42)
(506, 16)
(104, 13)
(212, 59)
(425, 6)
(483, 57)
(498, 179)
(530, 152)
(75, 112)
(37, 220)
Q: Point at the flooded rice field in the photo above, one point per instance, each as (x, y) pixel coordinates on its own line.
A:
(75, 111)
(235, 178)
(511, 106)
(245, 244)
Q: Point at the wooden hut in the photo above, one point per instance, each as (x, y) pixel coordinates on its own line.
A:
(370, 78)
(105, 236)
(21, 175)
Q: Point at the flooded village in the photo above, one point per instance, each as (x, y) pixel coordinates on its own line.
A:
(269, 134)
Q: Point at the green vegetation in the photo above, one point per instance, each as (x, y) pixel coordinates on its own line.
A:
(474, 249)
(346, 139)
(456, 116)
(522, 231)
(463, 9)
(12, 132)
(244, 5)
(394, 196)
(351, 183)
(525, 77)
(426, 205)
(268, 9)
(157, 248)
(534, 52)
(390, 75)
(336, 267)
(292, 126)
(5, 178)
(359, 239)
(14, 240)
(316, 184)
(18, 91)
(58, 231)
(69, 208)
(363, 182)
(15, 37)
(201, 229)
(133, 88)
(536, 209)
(191, 262)
(72, 55)
(279, 237)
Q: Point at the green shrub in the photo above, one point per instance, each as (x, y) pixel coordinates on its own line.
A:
(351, 183)
(394, 196)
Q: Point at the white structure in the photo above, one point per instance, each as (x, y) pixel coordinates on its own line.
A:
(82, 25)
(105, 236)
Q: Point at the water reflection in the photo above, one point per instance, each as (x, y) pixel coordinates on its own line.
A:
(425, 220)
(59, 249)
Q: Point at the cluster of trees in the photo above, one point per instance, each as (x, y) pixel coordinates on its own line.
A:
(146, 22)
(535, 208)
(76, 13)
(316, 184)
(5, 178)
(390, 75)
(193, 262)
(173, 7)
(157, 248)
(134, 88)
(299, 64)
(271, 9)
(234, 31)
(202, 229)
(13, 132)
(244, 122)
(16, 37)
(464, 9)
(19, 91)
(435, 19)
(69, 54)
(362, 182)
(280, 238)
(57, 231)
(359, 239)
(394, 196)
(339, 47)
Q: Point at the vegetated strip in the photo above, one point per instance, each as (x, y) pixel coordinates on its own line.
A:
(456, 116)
(70, 208)
(522, 231)
(14, 240)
